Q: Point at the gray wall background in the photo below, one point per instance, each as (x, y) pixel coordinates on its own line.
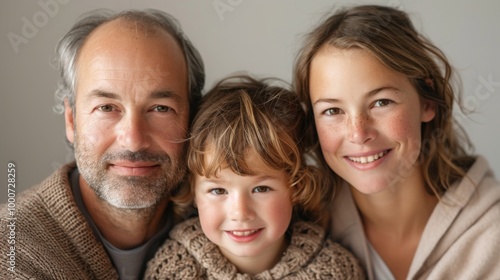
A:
(258, 36)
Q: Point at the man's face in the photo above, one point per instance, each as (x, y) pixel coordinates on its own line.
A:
(131, 114)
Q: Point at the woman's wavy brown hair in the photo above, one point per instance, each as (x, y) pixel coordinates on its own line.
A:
(389, 35)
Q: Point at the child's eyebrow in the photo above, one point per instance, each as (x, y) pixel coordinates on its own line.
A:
(211, 179)
(266, 177)
(257, 178)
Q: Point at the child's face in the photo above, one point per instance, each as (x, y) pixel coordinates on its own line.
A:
(245, 216)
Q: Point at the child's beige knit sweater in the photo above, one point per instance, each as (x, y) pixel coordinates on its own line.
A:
(190, 255)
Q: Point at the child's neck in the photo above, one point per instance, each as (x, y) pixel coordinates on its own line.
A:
(256, 264)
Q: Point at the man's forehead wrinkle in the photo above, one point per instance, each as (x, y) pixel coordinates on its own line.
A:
(141, 29)
(109, 66)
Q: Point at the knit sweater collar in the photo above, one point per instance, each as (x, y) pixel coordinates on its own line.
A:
(301, 250)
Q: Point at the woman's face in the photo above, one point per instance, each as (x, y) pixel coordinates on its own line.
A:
(368, 118)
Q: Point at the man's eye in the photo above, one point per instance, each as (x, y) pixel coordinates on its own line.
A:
(218, 191)
(105, 108)
(161, 108)
(261, 189)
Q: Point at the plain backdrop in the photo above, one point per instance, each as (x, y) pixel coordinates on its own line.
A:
(257, 36)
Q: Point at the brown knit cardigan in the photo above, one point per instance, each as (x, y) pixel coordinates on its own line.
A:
(52, 238)
(190, 255)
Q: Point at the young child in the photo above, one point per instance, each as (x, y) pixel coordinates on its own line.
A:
(256, 198)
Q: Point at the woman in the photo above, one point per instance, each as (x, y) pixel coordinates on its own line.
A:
(410, 202)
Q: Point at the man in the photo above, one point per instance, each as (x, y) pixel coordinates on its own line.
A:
(130, 85)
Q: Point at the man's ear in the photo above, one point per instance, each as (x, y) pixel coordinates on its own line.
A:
(69, 121)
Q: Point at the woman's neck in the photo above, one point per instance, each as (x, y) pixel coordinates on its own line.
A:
(394, 220)
(399, 209)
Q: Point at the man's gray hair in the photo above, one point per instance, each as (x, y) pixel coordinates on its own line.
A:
(69, 46)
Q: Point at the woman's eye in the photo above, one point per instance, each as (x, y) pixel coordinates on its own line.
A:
(382, 102)
(261, 189)
(161, 108)
(218, 191)
(332, 111)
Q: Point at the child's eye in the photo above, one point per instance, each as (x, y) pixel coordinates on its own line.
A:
(218, 191)
(382, 102)
(332, 111)
(261, 189)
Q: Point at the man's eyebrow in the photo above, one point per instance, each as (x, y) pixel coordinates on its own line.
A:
(105, 94)
(154, 95)
(164, 94)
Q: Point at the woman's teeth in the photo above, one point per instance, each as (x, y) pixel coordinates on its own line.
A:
(368, 159)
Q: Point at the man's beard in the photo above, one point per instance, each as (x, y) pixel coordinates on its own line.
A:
(130, 192)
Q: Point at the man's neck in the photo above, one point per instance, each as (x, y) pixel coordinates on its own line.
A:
(123, 228)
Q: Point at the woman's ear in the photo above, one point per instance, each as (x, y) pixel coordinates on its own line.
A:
(428, 110)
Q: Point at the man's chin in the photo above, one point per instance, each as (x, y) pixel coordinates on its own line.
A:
(132, 204)
(133, 198)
